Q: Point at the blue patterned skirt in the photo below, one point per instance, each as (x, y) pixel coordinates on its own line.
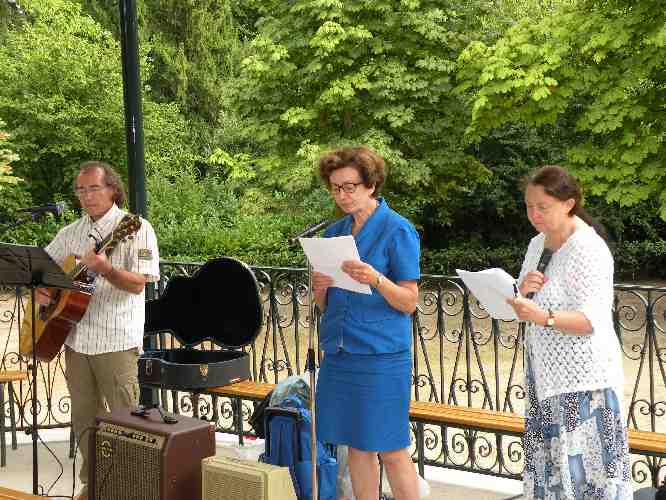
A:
(575, 446)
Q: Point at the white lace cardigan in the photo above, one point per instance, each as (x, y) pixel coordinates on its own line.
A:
(580, 278)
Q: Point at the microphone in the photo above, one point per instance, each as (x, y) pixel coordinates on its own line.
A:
(54, 208)
(310, 230)
(544, 260)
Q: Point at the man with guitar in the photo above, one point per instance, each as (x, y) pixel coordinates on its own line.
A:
(102, 349)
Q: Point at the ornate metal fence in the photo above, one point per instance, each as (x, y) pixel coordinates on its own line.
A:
(53, 404)
(462, 357)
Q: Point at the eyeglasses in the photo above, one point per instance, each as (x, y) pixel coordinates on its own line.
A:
(347, 187)
(542, 209)
(81, 191)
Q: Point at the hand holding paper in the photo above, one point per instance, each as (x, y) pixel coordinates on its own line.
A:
(492, 287)
(326, 256)
(321, 282)
(528, 310)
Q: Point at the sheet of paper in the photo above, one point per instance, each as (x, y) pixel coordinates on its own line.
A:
(326, 256)
(491, 287)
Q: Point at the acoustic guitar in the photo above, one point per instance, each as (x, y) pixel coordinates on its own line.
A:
(54, 321)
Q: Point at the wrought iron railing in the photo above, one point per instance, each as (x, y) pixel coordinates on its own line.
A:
(462, 357)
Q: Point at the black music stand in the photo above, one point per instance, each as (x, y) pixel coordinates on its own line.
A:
(31, 267)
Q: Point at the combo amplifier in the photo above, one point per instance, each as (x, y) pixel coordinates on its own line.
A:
(136, 457)
(235, 479)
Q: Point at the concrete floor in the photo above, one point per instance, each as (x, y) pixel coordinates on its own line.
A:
(55, 474)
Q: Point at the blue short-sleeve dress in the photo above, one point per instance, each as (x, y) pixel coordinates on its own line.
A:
(363, 388)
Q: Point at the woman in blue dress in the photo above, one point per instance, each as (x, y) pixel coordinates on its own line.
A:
(363, 388)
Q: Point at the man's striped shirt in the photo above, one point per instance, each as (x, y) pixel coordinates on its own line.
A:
(114, 320)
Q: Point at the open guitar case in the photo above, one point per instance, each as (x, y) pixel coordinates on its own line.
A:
(220, 302)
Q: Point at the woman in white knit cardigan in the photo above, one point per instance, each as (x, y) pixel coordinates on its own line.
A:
(575, 436)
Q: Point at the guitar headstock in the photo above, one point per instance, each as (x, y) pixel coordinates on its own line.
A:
(126, 229)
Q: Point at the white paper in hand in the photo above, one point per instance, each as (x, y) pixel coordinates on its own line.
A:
(491, 287)
(326, 256)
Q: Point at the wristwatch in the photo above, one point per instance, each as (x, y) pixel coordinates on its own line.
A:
(380, 278)
(550, 321)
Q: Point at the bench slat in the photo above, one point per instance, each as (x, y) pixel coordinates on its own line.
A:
(245, 389)
(476, 418)
(645, 441)
(12, 376)
(9, 494)
(443, 414)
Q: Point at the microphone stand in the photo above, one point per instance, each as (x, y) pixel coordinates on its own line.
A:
(310, 363)
(311, 366)
(33, 370)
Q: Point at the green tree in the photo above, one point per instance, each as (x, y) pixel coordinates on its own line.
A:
(596, 67)
(6, 158)
(323, 74)
(14, 194)
(502, 14)
(61, 94)
(11, 14)
(192, 47)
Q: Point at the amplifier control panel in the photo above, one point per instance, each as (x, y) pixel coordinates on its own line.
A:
(132, 435)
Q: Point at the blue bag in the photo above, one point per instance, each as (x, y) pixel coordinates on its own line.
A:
(288, 435)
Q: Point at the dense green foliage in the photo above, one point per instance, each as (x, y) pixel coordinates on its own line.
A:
(377, 73)
(6, 158)
(192, 47)
(241, 97)
(591, 80)
(61, 96)
(597, 68)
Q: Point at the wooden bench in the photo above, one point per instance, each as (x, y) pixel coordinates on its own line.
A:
(7, 378)
(7, 494)
(640, 442)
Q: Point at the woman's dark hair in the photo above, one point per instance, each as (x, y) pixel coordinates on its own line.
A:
(369, 165)
(557, 182)
(111, 179)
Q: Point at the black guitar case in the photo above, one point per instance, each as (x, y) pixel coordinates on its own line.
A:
(220, 302)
